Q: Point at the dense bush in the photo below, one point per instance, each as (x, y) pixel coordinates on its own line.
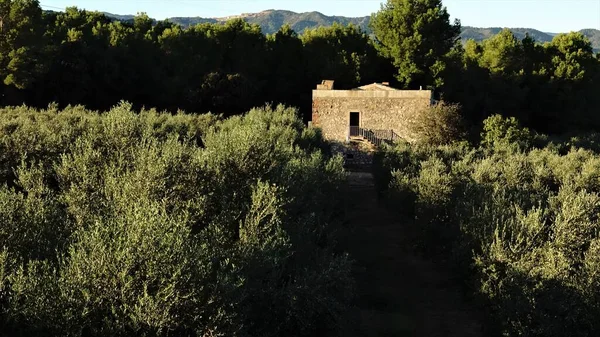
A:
(439, 124)
(155, 224)
(505, 132)
(521, 222)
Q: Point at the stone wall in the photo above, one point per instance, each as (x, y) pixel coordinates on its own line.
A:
(379, 110)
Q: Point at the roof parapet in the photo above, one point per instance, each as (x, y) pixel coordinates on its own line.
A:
(325, 85)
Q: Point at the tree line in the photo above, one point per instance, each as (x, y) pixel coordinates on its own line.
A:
(83, 57)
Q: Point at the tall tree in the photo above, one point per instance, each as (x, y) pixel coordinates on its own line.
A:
(286, 55)
(573, 70)
(572, 57)
(343, 53)
(21, 42)
(416, 35)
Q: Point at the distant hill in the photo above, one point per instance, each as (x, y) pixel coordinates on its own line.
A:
(479, 34)
(271, 20)
(119, 17)
(594, 36)
(188, 22)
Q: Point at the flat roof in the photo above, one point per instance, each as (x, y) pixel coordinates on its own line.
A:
(424, 94)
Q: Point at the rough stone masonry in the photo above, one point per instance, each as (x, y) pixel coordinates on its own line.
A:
(379, 107)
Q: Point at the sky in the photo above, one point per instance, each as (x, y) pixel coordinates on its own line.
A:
(554, 16)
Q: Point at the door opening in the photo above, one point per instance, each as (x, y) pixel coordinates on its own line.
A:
(354, 123)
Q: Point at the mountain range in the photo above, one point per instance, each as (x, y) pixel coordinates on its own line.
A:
(271, 20)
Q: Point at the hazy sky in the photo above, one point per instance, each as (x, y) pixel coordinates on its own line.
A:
(545, 15)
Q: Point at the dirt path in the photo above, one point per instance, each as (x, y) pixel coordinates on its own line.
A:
(399, 293)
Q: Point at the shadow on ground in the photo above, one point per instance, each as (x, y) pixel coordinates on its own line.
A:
(398, 292)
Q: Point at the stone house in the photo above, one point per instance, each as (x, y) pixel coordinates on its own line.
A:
(375, 110)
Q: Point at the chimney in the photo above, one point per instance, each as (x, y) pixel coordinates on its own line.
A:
(325, 85)
(386, 83)
(420, 87)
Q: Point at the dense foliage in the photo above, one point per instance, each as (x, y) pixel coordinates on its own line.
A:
(518, 216)
(80, 57)
(153, 224)
(551, 88)
(417, 36)
(271, 20)
(440, 124)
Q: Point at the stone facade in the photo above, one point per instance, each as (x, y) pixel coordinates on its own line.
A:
(379, 107)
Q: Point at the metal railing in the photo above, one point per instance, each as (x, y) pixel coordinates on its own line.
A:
(375, 137)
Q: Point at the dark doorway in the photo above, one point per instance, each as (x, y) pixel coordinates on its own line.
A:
(354, 123)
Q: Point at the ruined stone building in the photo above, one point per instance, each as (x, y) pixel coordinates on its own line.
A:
(374, 109)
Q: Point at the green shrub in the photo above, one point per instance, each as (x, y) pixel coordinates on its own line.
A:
(151, 224)
(402, 192)
(499, 132)
(439, 124)
(521, 223)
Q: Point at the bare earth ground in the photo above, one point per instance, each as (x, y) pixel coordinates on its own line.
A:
(398, 292)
